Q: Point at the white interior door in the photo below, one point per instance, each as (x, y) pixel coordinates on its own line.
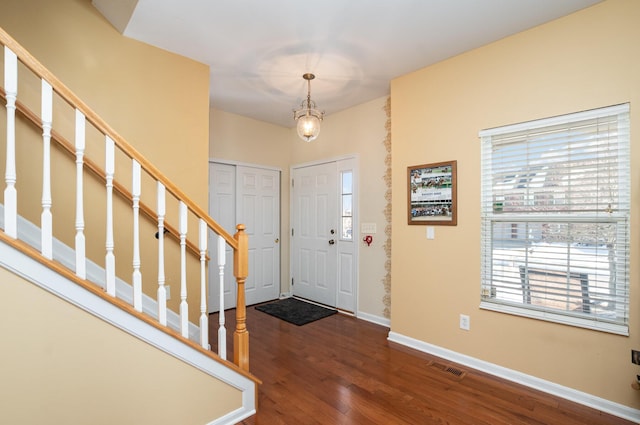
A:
(258, 207)
(323, 253)
(222, 208)
(251, 196)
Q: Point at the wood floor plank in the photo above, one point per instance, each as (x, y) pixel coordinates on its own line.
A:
(341, 370)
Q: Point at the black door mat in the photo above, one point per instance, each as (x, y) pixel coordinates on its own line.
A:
(295, 311)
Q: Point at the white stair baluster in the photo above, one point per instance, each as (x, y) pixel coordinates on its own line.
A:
(137, 275)
(81, 266)
(46, 220)
(184, 307)
(110, 259)
(204, 318)
(162, 291)
(10, 194)
(222, 331)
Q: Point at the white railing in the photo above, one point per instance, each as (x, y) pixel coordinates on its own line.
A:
(10, 195)
(81, 266)
(117, 194)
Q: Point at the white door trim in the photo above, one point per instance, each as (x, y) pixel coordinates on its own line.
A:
(354, 156)
(244, 164)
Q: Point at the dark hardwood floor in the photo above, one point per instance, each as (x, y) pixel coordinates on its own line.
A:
(341, 370)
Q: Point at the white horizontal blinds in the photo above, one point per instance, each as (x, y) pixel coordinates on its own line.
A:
(560, 170)
(555, 205)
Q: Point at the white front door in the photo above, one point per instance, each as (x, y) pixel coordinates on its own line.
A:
(251, 196)
(323, 225)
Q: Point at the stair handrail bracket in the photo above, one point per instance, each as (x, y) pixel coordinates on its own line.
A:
(196, 335)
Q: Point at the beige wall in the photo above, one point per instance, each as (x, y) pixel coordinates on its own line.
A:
(237, 138)
(241, 139)
(583, 61)
(62, 365)
(156, 100)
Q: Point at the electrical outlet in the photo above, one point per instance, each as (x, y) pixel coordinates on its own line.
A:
(167, 288)
(465, 322)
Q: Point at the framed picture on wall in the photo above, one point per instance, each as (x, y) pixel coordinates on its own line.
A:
(432, 194)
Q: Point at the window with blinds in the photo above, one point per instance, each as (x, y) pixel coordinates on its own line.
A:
(555, 219)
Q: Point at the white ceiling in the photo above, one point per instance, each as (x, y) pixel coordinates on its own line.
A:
(258, 50)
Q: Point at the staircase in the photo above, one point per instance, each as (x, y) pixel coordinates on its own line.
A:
(131, 353)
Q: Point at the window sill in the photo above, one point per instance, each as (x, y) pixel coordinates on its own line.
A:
(556, 318)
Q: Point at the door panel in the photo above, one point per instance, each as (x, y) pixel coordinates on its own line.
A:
(222, 208)
(259, 195)
(314, 218)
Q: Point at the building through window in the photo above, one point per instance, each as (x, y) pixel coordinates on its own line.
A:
(555, 219)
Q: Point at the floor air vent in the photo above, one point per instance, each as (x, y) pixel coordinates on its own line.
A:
(452, 372)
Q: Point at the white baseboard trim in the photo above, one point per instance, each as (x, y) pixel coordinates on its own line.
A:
(549, 387)
(233, 417)
(382, 321)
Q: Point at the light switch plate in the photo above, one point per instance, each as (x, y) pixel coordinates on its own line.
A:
(465, 322)
(431, 232)
(368, 228)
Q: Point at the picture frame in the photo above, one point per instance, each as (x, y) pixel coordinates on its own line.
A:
(432, 194)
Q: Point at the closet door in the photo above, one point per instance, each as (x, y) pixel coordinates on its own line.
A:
(251, 196)
(222, 208)
(258, 208)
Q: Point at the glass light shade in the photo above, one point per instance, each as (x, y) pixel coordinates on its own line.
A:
(308, 127)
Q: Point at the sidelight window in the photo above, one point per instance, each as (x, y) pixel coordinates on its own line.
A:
(346, 205)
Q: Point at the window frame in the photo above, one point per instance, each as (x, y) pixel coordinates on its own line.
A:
(492, 214)
(344, 194)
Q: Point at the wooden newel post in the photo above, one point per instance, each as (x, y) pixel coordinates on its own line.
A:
(240, 271)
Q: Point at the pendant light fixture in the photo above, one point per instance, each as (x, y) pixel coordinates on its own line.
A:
(308, 117)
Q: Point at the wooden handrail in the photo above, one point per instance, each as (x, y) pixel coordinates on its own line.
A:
(238, 242)
(97, 171)
(75, 102)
